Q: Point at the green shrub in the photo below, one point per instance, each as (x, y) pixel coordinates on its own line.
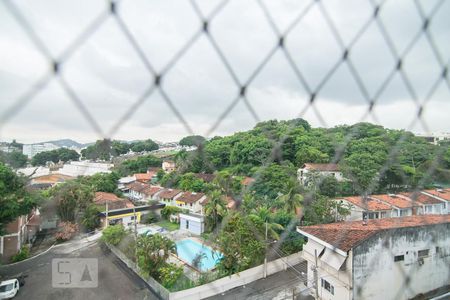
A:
(113, 234)
(167, 211)
(24, 253)
(169, 274)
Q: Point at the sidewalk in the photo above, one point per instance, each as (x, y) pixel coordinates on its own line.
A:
(278, 286)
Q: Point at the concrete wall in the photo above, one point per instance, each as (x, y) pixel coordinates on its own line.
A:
(377, 276)
(341, 279)
(227, 283)
(216, 287)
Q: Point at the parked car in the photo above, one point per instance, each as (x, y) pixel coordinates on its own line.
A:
(9, 288)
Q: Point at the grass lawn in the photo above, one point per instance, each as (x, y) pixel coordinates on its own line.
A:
(168, 225)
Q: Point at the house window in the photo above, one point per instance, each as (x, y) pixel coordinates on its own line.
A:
(438, 250)
(326, 285)
(187, 224)
(191, 204)
(383, 214)
(428, 208)
(403, 212)
(423, 253)
(399, 258)
(132, 218)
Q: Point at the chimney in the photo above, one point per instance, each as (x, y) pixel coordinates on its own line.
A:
(364, 222)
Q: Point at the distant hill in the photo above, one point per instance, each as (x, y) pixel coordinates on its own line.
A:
(68, 143)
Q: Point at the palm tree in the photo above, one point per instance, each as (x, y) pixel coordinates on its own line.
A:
(264, 215)
(215, 209)
(292, 199)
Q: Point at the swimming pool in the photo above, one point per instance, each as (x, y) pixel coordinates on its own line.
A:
(188, 249)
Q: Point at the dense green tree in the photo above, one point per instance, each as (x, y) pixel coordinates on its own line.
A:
(141, 146)
(71, 198)
(152, 253)
(91, 218)
(254, 150)
(188, 182)
(61, 154)
(101, 150)
(215, 210)
(102, 182)
(264, 217)
(13, 159)
(192, 140)
(113, 234)
(273, 180)
(14, 199)
(228, 184)
(119, 148)
(292, 200)
(137, 165)
(240, 246)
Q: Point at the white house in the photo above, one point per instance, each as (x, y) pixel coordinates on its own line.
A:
(191, 201)
(442, 195)
(368, 207)
(402, 206)
(428, 204)
(168, 196)
(85, 168)
(168, 166)
(392, 258)
(320, 169)
(194, 223)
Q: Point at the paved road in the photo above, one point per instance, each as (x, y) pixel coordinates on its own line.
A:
(116, 281)
(278, 286)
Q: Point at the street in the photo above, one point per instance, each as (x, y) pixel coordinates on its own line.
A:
(115, 280)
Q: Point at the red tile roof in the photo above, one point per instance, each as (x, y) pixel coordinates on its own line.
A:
(143, 176)
(205, 176)
(421, 198)
(395, 200)
(347, 235)
(113, 201)
(443, 194)
(52, 178)
(190, 197)
(137, 186)
(169, 193)
(151, 190)
(247, 181)
(322, 167)
(368, 204)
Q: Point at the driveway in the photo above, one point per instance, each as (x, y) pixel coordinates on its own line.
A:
(115, 280)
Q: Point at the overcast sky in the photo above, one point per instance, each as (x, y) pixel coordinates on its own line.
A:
(108, 76)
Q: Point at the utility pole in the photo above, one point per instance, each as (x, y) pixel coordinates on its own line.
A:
(316, 277)
(265, 256)
(106, 220)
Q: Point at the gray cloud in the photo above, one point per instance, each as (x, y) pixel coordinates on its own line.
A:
(109, 77)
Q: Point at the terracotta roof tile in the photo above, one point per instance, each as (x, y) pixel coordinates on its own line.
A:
(137, 186)
(169, 193)
(151, 190)
(395, 200)
(443, 194)
(421, 198)
(346, 235)
(322, 167)
(143, 176)
(190, 197)
(368, 204)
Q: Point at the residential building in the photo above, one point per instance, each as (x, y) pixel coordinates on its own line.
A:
(18, 233)
(427, 203)
(168, 196)
(110, 201)
(440, 194)
(190, 200)
(194, 223)
(322, 170)
(402, 207)
(85, 168)
(31, 150)
(365, 207)
(392, 258)
(435, 138)
(124, 182)
(168, 166)
(128, 216)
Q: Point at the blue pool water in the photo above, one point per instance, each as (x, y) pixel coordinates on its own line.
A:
(189, 249)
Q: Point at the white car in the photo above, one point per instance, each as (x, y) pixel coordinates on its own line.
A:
(9, 288)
